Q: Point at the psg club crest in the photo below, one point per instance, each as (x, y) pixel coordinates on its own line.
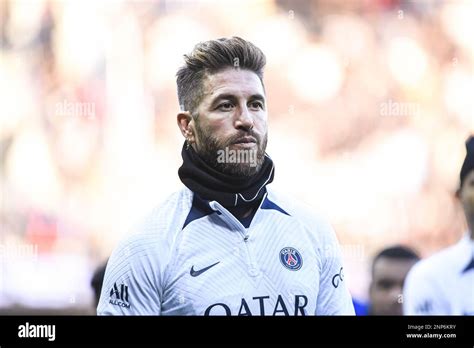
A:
(291, 258)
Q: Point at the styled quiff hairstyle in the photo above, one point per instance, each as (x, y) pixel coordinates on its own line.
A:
(211, 57)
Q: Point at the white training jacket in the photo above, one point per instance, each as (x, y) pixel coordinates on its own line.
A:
(193, 257)
(442, 284)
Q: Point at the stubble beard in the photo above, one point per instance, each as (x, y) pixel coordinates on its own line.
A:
(210, 147)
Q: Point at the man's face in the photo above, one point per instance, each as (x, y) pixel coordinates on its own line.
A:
(466, 196)
(387, 283)
(232, 120)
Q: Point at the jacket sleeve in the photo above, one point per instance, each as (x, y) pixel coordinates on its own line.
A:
(333, 297)
(133, 282)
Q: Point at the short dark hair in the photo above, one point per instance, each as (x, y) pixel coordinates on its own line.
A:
(209, 58)
(398, 252)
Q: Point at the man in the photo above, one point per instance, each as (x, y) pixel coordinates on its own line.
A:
(225, 244)
(389, 270)
(443, 284)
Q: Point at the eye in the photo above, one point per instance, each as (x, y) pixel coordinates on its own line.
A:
(385, 284)
(227, 106)
(256, 105)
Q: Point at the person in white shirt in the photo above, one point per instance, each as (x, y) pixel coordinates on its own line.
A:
(226, 244)
(443, 284)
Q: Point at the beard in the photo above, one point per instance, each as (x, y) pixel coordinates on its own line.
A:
(245, 163)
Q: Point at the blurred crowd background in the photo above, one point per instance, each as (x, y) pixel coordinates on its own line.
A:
(370, 103)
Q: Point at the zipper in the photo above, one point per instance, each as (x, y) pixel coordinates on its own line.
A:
(233, 222)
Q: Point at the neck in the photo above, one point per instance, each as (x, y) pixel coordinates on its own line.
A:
(228, 190)
(243, 211)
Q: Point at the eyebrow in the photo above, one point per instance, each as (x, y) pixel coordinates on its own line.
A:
(233, 98)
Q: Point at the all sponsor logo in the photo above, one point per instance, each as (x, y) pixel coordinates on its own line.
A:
(119, 296)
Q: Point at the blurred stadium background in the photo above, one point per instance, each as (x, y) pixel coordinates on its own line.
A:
(369, 106)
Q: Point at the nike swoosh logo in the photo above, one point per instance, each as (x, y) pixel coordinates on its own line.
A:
(201, 271)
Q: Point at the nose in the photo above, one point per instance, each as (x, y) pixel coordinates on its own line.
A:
(244, 119)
